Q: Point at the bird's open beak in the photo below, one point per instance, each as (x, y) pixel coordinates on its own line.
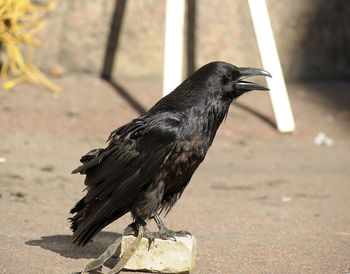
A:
(248, 72)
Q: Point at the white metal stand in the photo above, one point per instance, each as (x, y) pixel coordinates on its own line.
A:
(173, 52)
(271, 63)
(173, 56)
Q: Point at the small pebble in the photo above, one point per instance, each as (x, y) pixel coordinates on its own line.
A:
(286, 199)
(47, 168)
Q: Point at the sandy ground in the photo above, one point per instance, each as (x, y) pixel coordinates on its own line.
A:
(262, 202)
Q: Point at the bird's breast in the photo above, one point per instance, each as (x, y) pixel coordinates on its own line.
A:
(186, 157)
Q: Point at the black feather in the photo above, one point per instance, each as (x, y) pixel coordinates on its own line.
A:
(149, 161)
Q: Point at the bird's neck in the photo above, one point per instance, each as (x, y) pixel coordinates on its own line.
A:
(213, 117)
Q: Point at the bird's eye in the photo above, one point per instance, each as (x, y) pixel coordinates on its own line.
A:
(229, 75)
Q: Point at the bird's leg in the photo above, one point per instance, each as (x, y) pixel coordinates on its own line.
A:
(135, 227)
(132, 229)
(165, 233)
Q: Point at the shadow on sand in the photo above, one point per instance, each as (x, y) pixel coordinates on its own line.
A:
(62, 244)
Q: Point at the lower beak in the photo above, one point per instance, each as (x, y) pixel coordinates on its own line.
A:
(248, 72)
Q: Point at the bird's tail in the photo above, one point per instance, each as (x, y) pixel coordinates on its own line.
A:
(90, 218)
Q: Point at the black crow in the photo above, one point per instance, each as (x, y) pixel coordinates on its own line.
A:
(149, 161)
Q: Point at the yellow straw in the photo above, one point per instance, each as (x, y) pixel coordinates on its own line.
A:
(19, 21)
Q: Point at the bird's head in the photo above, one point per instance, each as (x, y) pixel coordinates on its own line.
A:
(228, 81)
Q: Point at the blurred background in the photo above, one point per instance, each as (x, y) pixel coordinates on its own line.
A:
(312, 37)
(262, 201)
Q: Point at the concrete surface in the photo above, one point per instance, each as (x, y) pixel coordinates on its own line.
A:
(261, 202)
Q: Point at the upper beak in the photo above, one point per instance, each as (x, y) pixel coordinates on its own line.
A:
(248, 72)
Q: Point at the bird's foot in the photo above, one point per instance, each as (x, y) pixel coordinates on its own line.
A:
(151, 236)
(139, 228)
(131, 229)
(170, 233)
(165, 234)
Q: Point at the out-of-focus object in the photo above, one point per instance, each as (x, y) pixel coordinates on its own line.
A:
(2, 160)
(173, 49)
(286, 199)
(271, 63)
(322, 139)
(57, 70)
(19, 21)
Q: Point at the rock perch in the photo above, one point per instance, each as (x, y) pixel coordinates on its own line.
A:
(164, 256)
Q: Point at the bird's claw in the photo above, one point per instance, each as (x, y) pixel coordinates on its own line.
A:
(182, 233)
(157, 235)
(166, 234)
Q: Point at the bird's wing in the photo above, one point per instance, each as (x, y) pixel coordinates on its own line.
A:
(115, 175)
(135, 150)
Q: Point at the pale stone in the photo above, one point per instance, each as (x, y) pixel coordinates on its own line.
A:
(165, 256)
